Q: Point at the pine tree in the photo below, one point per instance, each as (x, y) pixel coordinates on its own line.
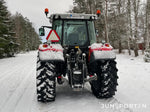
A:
(26, 35)
(6, 34)
(16, 33)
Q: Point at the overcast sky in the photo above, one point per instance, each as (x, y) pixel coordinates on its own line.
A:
(34, 9)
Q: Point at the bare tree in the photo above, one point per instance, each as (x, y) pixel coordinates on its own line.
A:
(119, 12)
(136, 11)
(147, 23)
(130, 25)
(106, 20)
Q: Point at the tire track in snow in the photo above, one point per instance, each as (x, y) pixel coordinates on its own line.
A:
(15, 76)
(16, 96)
(17, 66)
(25, 102)
(14, 81)
(11, 73)
(4, 74)
(10, 85)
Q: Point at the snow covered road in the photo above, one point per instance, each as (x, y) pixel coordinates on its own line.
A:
(18, 91)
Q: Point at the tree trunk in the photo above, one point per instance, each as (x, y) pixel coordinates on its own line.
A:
(130, 26)
(106, 27)
(129, 49)
(135, 48)
(136, 9)
(147, 24)
(120, 47)
(119, 11)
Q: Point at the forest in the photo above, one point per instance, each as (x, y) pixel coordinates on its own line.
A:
(125, 24)
(17, 33)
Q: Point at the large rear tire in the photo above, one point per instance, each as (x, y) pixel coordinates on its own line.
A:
(106, 83)
(45, 80)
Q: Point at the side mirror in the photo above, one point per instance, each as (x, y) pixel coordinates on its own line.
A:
(97, 32)
(41, 31)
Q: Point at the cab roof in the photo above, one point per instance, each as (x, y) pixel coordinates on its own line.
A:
(74, 16)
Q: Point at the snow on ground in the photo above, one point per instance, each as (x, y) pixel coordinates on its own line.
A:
(18, 90)
(134, 81)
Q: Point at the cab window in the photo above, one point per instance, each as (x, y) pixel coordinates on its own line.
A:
(75, 33)
(57, 26)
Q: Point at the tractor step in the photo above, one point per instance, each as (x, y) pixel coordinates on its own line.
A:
(77, 87)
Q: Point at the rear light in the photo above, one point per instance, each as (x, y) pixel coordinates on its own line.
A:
(45, 45)
(107, 45)
(91, 75)
(59, 77)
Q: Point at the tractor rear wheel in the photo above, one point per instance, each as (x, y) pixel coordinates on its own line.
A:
(106, 83)
(45, 80)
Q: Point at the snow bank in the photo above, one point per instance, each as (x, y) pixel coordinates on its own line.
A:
(134, 81)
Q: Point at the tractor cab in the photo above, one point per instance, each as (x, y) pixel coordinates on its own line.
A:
(74, 29)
